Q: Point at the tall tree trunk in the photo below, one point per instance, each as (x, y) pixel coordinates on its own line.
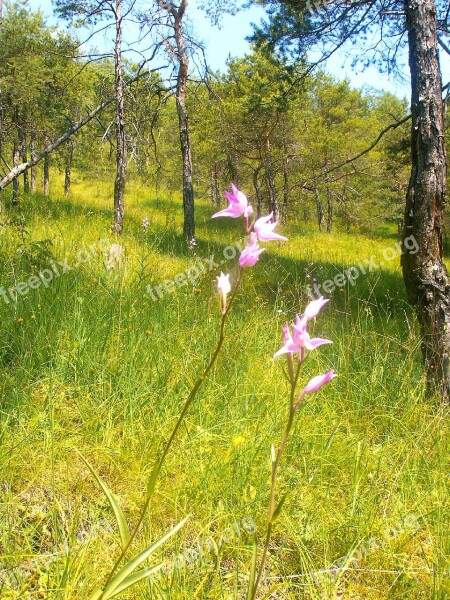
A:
(22, 147)
(186, 155)
(215, 193)
(270, 180)
(68, 170)
(33, 168)
(424, 272)
(47, 175)
(259, 198)
(23, 157)
(121, 144)
(286, 190)
(16, 185)
(1, 96)
(319, 206)
(329, 210)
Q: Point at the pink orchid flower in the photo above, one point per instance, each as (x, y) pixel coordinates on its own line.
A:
(238, 205)
(264, 229)
(317, 382)
(224, 288)
(301, 340)
(250, 254)
(313, 308)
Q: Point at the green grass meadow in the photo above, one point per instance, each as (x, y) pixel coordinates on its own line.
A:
(92, 363)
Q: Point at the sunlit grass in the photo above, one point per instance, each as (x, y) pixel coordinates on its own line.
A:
(93, 363)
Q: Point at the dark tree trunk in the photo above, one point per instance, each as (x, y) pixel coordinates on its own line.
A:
(33, 168)
(270, 181)
(319, 206)
(215, 193)
(67, 180)
(16, 159)
(305, 215)
(424, 272)
(329, 210)
(259, 198)
(47, 175)
(22, 147)
(286, 191)
(183, 69)
(68, 171)
(121, 144)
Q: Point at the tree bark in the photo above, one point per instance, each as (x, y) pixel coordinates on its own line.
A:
(259, 198)
(329, 210)
(270, 181)
(22, 148)
(424, 272)
(185, 143)
(319, 206)
(121, 143)
(67, 172)
(16, 185)
(47, 175)
(33, 168)
(215, 193)
(286, 190)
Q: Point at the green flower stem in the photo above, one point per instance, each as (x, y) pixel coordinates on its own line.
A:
(276, 464)
(159, 463)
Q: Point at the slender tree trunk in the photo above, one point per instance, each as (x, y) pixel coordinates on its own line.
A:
(320, 213)
(23, 157)
(121, 144)
(270, 181)
(16, 185)
(183, 69)
(215, 193)
(424, 272)
(286, 191)
(33, 168)
(329, 210)
(259, 197)
(68, 171)
(1, 96)
(22, 147)
(67, 180)
(47, 175)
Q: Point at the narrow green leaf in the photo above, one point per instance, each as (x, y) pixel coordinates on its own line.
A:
(134, 578)
(251, 581)
(153, 476)
(98, 591)
(118, 513)
(127, 569)
(278, 509)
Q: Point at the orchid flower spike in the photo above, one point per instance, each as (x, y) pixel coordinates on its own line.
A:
(238, 205)
(301, 340)
(264, 229)
(250, 254)
(317, 382)
(223, 287)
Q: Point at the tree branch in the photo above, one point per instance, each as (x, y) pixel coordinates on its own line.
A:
(390, 127)
(19, 169)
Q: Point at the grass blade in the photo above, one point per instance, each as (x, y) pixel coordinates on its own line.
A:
(251, 581)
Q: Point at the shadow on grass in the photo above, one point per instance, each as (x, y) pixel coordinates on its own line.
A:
(277, 274)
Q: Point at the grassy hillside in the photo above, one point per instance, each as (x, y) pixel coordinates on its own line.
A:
(91, 362)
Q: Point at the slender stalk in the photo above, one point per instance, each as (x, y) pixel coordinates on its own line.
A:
(276, 464)
(159, 463)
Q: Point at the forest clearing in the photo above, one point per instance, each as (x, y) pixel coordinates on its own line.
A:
(176, 246)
